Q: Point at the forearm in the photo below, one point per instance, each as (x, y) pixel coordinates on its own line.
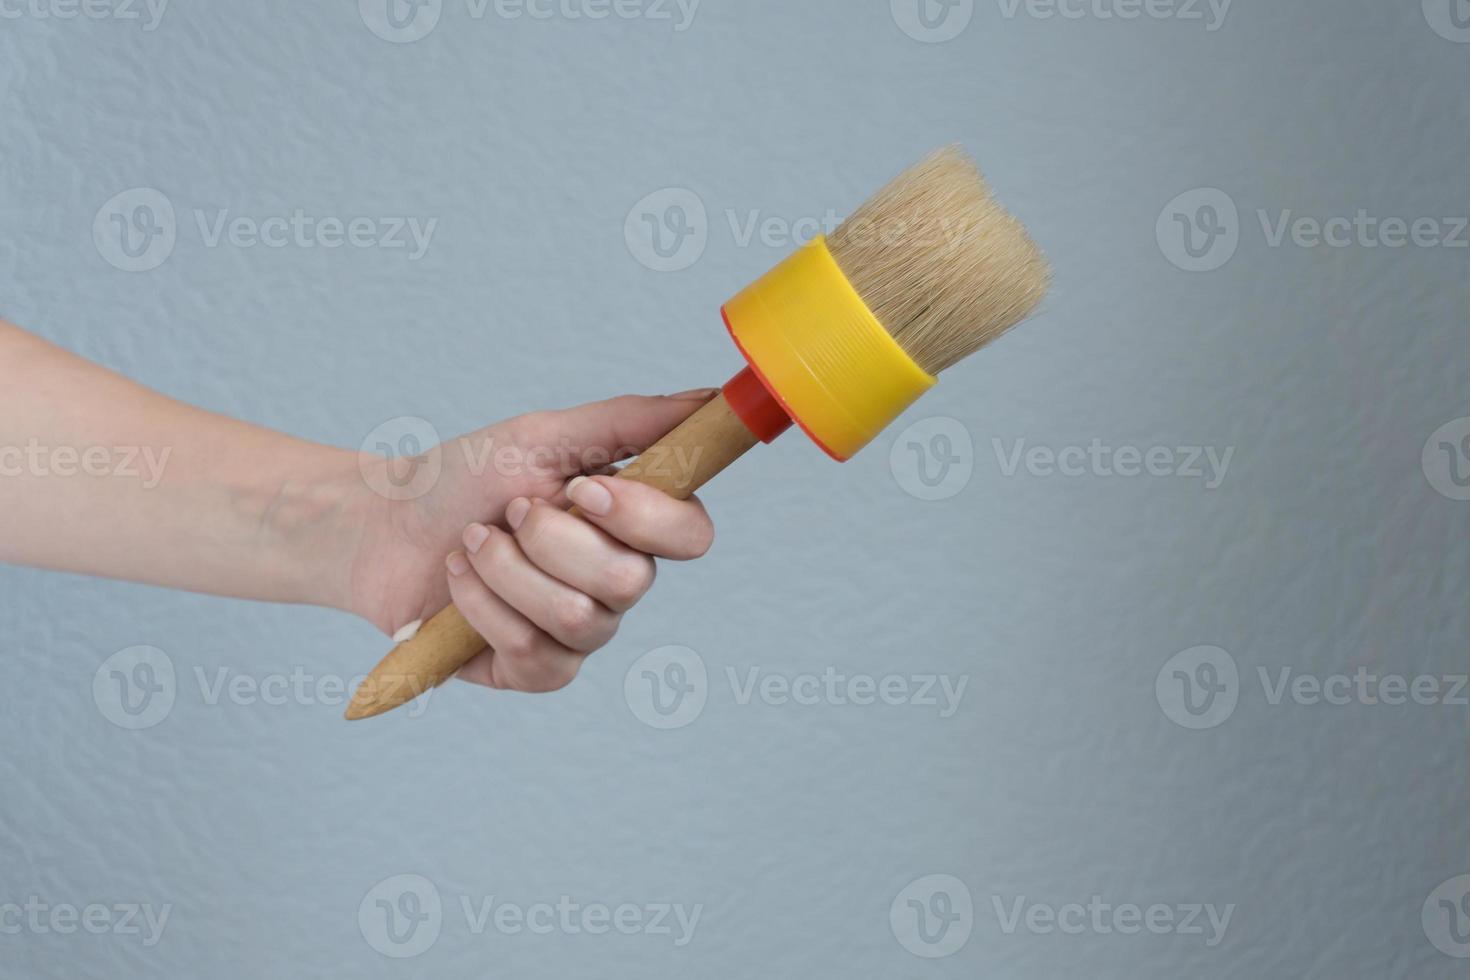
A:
(101, 476)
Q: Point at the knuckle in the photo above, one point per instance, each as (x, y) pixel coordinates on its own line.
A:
(701, 538)
(557, 675)
(497, 548)
(532, 424)
(465, 592)
(518, 647)
(531, 430)
(576, 616)
(628, 580)
(534, 529)
(624, 404)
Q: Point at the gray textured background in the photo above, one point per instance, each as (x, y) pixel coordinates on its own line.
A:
(265, 828)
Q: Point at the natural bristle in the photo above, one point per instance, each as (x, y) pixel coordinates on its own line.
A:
(943, 266)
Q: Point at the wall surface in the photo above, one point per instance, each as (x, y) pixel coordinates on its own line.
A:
(1103, 585)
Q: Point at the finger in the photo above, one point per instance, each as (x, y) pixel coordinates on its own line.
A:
(584, 557)
(571, 618)
(521, 657)
(480, 669)
(591, 436)
(643, 517)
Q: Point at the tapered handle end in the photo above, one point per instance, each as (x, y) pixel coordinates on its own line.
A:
(417, 665)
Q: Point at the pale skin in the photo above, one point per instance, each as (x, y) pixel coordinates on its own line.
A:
(101, 476)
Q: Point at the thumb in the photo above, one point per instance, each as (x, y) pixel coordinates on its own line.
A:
(601, 432)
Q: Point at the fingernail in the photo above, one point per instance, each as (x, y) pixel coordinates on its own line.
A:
(516, 512)
(591, 496)
(695, 395)
(458, 564)
(408, 632)
(474, 537)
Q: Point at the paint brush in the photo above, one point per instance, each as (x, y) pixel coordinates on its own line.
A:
(840, 339)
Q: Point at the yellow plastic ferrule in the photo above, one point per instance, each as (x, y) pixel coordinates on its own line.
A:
(822, 353)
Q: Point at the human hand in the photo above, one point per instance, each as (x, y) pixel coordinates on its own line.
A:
(544, 587)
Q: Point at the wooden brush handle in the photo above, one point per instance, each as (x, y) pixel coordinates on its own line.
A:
(678, 464)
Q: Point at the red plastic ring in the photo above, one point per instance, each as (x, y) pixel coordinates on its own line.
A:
(756, 407)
